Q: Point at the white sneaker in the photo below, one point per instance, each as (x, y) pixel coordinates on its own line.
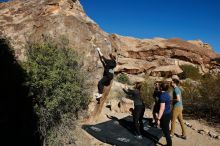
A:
(98, 96)
(95, 95)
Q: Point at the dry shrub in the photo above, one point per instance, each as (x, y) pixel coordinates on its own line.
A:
(201, 98)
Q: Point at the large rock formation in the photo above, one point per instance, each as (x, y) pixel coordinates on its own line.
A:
(162, 57)
(30, 21)
(25, 21)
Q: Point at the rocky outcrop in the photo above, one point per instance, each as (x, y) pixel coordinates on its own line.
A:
(65, 20)
(33, 21)
(159, 57)
(166, 71)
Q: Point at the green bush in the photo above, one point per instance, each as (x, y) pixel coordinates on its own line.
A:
(201, 98)
(123, 78)
(115, 94)
(147, 90)
(190, 91)
(210, 93)
(190, 72)
(57, 84)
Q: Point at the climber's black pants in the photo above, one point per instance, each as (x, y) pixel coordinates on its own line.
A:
(105, 81)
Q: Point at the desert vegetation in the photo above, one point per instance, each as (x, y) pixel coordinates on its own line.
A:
(147, 90)
(201, 94)
(201, 98)
(123, 78)
(57, 85)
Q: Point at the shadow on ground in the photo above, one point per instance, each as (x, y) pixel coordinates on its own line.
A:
(120, 132)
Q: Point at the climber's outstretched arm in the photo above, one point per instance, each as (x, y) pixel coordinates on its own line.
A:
(102, 58)
(129, 92)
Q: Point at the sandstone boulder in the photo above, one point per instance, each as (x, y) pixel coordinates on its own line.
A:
(162, 52)
(125, 105)
(166, 71)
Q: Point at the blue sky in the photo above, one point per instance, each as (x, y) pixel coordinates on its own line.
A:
(186, 19)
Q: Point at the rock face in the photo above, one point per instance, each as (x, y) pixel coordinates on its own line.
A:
(33, 21)
(24, 21)
(162, 57)
(30, 21)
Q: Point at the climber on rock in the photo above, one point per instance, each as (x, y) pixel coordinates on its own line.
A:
(109, 65)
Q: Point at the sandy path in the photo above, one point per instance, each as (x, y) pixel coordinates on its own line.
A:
(193, 137)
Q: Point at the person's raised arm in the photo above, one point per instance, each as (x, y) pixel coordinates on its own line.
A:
(128, 91)
(102, 58)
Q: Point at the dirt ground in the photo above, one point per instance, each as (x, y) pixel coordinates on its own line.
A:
(193, 137)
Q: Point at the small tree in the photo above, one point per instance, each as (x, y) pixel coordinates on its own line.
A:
(147, 90)
(190, 91)
(202, 97)
(123, 78)
(210, 93)
(190, 71)
(57, 84)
